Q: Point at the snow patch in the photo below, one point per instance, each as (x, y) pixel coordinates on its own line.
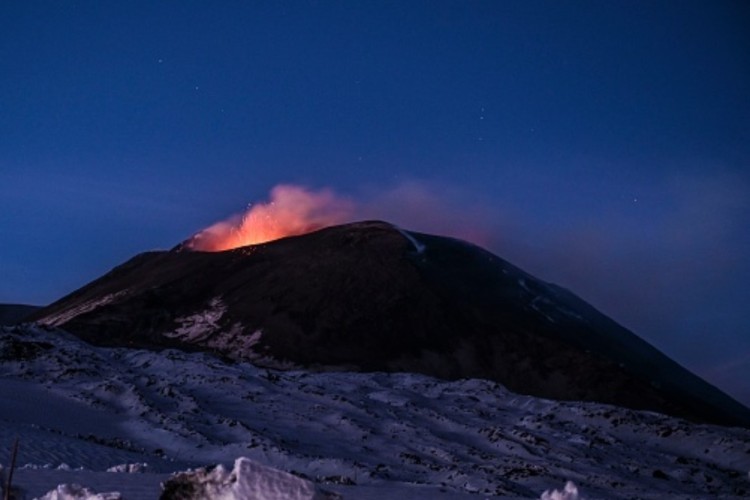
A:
(254, 338)
(569, 492)
(535, 306)
(419, 247)
(68, 314)
(129, 468)
(546, 306)
(78, 492)
(248, 479)
(234, 343)
(204, 327)
(201, 325)
(388, 397)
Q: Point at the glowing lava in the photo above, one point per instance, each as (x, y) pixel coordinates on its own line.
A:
(292, 210)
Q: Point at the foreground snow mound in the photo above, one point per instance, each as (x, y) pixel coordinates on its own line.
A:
(78, 492)
(570, 492)
(248, 479)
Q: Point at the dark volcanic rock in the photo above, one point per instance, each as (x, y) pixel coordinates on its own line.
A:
(368, 296)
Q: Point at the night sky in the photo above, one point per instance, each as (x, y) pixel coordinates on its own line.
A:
(604, 146)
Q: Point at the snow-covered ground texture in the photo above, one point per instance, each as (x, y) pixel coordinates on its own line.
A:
(80, 410)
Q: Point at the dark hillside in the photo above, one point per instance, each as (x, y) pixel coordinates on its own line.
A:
(368, 296)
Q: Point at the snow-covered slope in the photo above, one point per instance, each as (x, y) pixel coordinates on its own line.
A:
(362, 435)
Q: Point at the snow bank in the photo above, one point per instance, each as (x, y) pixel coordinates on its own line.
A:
(78, 492)
(570, 492)
(129, 468)
(248, 479)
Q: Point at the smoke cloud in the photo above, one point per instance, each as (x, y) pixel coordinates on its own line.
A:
(292, 210)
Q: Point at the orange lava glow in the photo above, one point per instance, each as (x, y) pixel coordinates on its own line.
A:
(292, 210)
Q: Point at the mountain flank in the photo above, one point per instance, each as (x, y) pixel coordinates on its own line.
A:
(369, 296)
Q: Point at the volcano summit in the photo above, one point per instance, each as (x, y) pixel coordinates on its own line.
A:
(369, 296)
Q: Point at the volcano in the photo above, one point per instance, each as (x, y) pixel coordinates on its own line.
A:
(369, 296)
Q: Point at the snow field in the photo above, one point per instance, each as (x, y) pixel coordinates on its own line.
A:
(360, 435)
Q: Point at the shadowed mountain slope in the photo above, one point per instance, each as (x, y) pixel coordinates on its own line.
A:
(368, 296)
(14, 313)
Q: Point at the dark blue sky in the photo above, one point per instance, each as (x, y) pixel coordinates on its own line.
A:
(604, 146)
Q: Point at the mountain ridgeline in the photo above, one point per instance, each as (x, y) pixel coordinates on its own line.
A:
(15, 313)
(368, 296)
